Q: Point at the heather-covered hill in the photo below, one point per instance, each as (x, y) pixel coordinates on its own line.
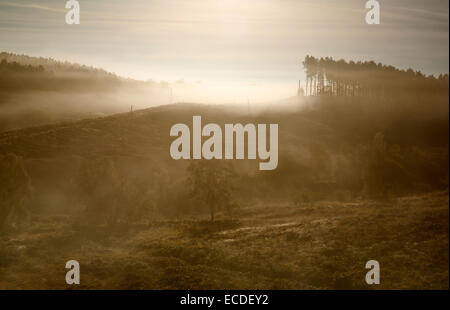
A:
(317, 245)
(317, 159)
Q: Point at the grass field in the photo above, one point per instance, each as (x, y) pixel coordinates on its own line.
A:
(321, 245)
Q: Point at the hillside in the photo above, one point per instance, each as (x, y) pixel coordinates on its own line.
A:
(358, 178)
(323, 159)
(36, 91)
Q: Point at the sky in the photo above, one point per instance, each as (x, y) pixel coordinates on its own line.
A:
(237, 50)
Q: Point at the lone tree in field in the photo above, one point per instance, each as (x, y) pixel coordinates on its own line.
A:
(15, 189)
(210, 183)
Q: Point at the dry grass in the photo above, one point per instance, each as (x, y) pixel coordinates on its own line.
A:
(311, 246)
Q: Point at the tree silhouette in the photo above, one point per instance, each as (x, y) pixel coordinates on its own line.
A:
(328, 77)
(210, 182)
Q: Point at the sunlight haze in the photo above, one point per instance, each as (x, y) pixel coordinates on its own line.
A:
(237, 50)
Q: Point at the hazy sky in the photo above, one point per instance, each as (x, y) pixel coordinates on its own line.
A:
(257, 45)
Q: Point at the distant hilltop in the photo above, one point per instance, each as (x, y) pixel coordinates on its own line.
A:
(13, 68)
(37, 90)
(329, 77)
(50, 64)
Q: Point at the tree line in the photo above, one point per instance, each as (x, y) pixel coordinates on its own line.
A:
(23, 73)
(329, 77)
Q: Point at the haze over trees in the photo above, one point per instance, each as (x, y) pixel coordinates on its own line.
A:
(36, 91)
(329, 77)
